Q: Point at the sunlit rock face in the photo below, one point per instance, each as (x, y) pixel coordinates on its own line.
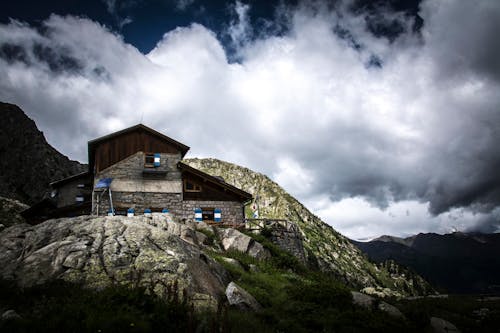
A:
(100, 251)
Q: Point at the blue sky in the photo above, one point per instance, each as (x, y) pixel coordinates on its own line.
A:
(381, 117)
(141, 23)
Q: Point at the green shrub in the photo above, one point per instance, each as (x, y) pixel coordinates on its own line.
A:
(60, 306)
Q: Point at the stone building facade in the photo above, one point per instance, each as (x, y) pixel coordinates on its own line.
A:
(142, 170)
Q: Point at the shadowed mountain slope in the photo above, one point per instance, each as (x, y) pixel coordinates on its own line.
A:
(457, 262)
(27, 161)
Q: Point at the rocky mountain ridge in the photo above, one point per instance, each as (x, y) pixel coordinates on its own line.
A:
(472, 257)
(325, 248)
(27, 161)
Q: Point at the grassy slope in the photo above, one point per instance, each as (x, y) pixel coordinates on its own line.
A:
(330, 250)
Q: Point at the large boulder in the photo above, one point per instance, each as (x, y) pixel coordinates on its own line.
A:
(232, 239)
(371, 303)
(10, 210)
(100, 251)
(440, 325)
(241, 299)
(10, 315)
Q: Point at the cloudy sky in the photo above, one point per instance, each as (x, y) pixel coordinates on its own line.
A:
(382, 117)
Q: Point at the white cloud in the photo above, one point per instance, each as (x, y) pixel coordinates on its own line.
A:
(360, 220)
(240, 29)
(115, 7)
(183, 4)
(418, 133)
(292, 176)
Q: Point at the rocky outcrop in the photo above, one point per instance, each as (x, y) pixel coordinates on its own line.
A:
(440, 325)
(241, 299)
(100, 251)
(371, 303)
(10, 315)
(27, 161)
(10, 210)
(232, 239)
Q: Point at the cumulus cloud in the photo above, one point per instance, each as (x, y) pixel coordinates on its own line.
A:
(375, 134)
(183, 4)
(240, 30)
(115, 9)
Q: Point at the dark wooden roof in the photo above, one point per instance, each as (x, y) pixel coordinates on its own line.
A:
(63, 181)
(245, 196)
(126, 135)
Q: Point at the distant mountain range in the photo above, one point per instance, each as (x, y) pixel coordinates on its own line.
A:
(454, 263)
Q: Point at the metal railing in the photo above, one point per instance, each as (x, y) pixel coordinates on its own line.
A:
(259, 224)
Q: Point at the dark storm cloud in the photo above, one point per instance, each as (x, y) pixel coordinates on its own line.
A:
(340, 105)
(489, 223)
(462, 45)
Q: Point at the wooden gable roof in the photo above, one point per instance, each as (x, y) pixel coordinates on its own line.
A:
(216, 182)
(112, 148)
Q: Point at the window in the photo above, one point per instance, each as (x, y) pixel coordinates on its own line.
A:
(152, 160)
(80, 186)
(190, 186)
(149, 161)
(79, 198)
(207, 214)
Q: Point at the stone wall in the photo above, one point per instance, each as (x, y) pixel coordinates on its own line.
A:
(284, 233)
(131, 168)
(289, 240)
(131, 188)
(67, 193)
(140, 201)
(231, 211)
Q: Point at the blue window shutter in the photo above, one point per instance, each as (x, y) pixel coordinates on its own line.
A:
(164, 210)
(157, 160)
(198, 216)
(217, 215)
